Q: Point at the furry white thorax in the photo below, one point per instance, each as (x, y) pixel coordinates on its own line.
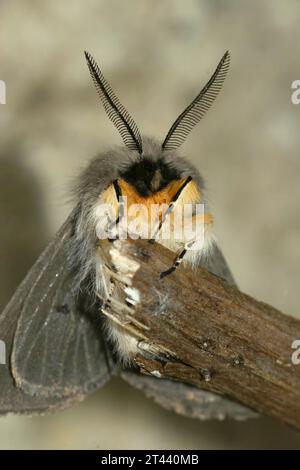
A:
(126, 346)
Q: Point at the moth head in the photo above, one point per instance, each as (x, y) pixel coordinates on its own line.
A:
(153, 167)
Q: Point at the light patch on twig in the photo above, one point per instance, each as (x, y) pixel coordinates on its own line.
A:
(133, 295)
(123, 264)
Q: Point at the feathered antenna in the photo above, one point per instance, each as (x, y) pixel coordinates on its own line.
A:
(114, 109)
(198, 107)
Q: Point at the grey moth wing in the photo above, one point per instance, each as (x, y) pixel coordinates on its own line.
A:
(54, 346)
(186, 399)
(13, 399)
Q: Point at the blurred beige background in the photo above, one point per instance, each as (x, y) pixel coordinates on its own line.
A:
(157, 55)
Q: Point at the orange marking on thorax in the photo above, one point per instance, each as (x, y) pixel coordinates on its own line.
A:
(190, 195)
(162, 199)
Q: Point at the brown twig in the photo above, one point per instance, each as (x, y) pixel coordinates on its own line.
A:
(195, 328)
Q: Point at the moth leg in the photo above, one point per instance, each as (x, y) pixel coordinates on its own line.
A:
(170, 209)
(114, 224)
(205, 219)
(162, 221)
(157, 352)
(178, 260)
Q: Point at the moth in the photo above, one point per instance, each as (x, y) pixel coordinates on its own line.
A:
(59, 348)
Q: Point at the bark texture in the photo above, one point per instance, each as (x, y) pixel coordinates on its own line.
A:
(195, 328)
